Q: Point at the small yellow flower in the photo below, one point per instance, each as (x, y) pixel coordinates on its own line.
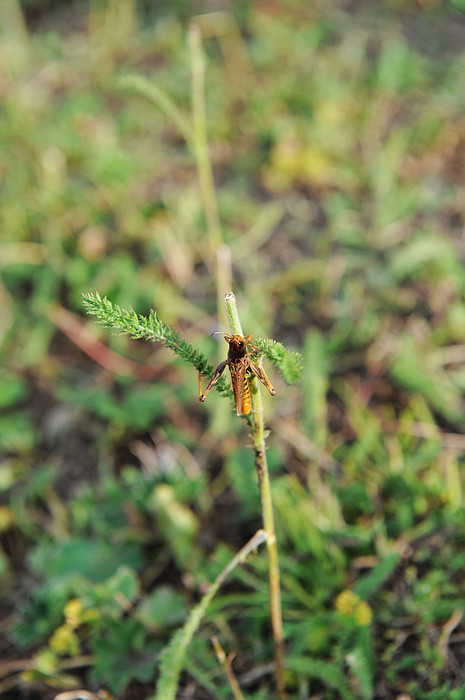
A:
(45, 662)
(73, 612)
(350, 604)
(346, 602)
(64, 641)
(363, 614)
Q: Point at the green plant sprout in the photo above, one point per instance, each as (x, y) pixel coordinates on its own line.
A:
(152, 328)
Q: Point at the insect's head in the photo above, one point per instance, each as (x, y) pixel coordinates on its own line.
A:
(238, 342)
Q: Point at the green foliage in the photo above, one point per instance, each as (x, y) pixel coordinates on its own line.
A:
(336, 140)
(17, 433)
(123, 653)
(42, 615)
(173, 655)
(162, 608)
(373, 581)
(136, 408)
(288, 363)
(95, 560)
(315, 383)
(12, 389)
(150, 328)
(332, 677)
(239, 467)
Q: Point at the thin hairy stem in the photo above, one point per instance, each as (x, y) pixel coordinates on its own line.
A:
(258, 436)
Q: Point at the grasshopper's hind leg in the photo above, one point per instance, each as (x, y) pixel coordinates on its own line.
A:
(261, 375)
(216, 375)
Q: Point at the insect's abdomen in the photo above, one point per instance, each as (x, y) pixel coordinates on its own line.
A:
(246, 402)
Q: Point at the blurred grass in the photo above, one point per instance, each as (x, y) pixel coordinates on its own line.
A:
(337, 140)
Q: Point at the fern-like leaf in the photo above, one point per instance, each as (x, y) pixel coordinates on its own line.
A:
(288, 363)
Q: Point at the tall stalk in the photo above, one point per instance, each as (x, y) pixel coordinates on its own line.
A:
(258, 437)
(219, 252)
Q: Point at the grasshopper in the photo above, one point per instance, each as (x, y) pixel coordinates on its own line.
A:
(239, 363)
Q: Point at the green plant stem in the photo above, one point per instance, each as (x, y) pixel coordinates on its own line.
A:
(258, 436)
(233, 314)
(204, 166)
(144, 87)
(202, 153)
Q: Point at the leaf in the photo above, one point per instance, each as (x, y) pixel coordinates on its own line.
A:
(12, 389)
(42, 615)
(361, 663)
(151, 328)
(374, 580)
(123, 584)
(419, 371)
(288, 363)
(123, 654)
(330, 674)
(17, 433)
(163, 608)
(423, 256)
(95, 560)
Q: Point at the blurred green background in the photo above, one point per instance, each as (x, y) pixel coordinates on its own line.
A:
(337, 138)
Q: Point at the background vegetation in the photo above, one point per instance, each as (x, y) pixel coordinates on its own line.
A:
(337, 136)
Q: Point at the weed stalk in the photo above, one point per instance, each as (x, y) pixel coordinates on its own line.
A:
(258, 437)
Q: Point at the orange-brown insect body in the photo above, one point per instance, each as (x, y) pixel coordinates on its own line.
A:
(239, 362)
